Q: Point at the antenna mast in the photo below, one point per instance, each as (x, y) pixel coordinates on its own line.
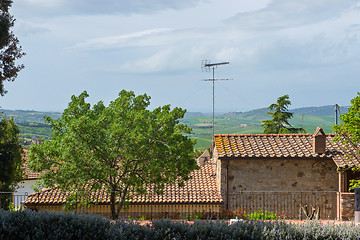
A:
(207, 66)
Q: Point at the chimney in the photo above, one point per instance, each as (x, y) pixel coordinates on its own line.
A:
(319, 141)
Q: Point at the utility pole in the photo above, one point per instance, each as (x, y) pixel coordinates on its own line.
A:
(337, 110)
(207, 66)
(302, 120)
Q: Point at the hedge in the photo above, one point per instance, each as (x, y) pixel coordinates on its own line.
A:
(51, 225)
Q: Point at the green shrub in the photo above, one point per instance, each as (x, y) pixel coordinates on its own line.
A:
(51, 225)
(262, 215)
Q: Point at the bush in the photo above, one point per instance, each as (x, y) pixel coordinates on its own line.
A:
(260, 215)
(51, 225)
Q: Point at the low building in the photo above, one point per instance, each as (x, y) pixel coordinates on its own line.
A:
(275, 166)
(199, 195)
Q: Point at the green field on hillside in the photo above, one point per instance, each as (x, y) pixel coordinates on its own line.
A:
(31, 123)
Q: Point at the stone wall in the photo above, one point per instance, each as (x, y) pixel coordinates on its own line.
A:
(282, 175)
(347, 206)
(236, 176)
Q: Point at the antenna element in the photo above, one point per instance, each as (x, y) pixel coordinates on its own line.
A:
(207, 67)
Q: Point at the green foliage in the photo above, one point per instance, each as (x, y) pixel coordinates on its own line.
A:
(50, 225)
(243, 214)
(348, 133)
(9, 47)
(349, 130)
(10, 159)
(13, 208)
(262, 215)
(280, 118)
(46, 225)
(119, 148)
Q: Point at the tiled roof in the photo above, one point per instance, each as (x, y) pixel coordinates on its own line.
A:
(29, 175)
(201, 188)
(281, 146)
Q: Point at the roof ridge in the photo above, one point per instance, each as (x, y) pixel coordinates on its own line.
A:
(271, 134)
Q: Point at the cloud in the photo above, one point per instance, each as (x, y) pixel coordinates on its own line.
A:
(143, 38)
(158, 37)
(96, 7)
(285, 14)
(164, 50)
(26, 28)
(172, 59)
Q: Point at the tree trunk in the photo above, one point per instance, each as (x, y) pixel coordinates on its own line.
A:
(112, 205)
(115, 208)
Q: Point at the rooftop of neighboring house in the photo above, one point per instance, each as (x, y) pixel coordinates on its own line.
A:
(29, 175)
(230, 146)
(200, 188)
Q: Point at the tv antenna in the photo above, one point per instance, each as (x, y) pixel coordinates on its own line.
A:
(207, 67)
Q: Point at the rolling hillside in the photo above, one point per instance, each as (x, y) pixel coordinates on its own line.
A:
(31, 123)
(250, 122)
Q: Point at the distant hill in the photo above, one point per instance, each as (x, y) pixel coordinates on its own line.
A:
(261, 113)
(30, 116)
(319, 111)
(31, 123)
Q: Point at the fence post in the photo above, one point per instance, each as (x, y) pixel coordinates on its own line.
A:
(188, 205)
(151, 205)
(300, 206)
(357, 205)
(263, 208)
(76, 206)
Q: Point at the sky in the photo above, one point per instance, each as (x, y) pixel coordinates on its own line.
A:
(305, 48)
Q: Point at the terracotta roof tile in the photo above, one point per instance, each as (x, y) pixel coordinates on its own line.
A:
(281, 146)
(201, 188)
(29, 175)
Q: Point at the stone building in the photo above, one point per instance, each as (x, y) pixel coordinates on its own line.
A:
(274, 166)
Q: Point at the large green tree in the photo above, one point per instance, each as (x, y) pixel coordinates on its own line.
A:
(280, 118)
(10, 50)
(121, 147)
(348, 132)
(10, 160)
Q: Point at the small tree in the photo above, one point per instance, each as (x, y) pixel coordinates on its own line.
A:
(10, 50)
(10, 160)
(280, 118)
(348, 132)
(120, 148)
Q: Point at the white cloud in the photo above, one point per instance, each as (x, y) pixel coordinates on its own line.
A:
(149, 38)
(90, 7)
(41, 3)
(26, 28)
(172, 59)
(127, 40)
(284, 13)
